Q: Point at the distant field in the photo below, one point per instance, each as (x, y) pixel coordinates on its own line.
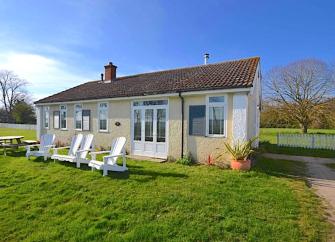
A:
(28, 134)
(268, 142)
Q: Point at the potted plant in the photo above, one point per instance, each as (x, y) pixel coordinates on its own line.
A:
(240, 153)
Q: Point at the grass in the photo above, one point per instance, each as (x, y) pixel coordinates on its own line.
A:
(331, 165)
(47, 201)
(28, 134)
(268, 143)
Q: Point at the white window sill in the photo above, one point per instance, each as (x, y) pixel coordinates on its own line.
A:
(216, 136)
(103, 131)
(78, 129)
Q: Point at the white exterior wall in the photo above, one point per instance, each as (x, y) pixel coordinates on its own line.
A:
(240, 117)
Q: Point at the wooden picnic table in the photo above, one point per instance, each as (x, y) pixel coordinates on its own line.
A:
(7, 142)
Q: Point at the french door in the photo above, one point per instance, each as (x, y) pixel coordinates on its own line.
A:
(150, 131)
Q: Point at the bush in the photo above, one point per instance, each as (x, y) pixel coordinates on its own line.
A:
(186, 160)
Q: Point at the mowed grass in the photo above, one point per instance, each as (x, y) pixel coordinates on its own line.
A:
(331, 165)
(28, 134)
(47, 201)
(268, 143)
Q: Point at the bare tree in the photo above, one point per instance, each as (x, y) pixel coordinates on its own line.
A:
(301, 90)
(12, 90)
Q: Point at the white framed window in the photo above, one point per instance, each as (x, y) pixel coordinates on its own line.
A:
(46, 117)
(78, 116)
(63, 117)
(103, 117)
(216, 116)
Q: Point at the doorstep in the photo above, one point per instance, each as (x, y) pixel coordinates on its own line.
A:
(138, 157)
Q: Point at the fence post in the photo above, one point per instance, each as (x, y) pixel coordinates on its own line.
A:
(278, 139)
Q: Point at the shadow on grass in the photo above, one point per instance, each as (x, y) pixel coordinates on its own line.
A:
(149, 175)
(281, 168)
(266, 146)
(13, 153)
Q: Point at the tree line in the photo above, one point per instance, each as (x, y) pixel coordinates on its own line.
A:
(16, 106)
(300, 94)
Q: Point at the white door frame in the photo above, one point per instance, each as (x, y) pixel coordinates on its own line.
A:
(155, 143)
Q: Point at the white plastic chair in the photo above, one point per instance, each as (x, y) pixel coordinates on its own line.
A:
(46, 143)
(75, 144)
(84, 149)
(109, 161)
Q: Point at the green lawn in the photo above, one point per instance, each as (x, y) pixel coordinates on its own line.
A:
(28, 134)
(331, 165)
(268, 143)
(47, 201)
(43, 201)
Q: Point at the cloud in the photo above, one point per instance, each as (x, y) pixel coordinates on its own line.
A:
(46, 75)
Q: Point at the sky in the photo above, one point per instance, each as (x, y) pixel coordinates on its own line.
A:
(58, 44)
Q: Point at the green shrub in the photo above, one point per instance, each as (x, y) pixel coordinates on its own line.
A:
(186, 160)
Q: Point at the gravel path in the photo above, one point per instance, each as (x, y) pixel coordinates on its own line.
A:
(321, 178)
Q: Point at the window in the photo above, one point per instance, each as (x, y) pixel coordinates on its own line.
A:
(149, 103)
(103, 116)
(46, 117)
(63, 116)
(216, 117)
(78, 117)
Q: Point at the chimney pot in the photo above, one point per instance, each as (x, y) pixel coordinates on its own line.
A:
(102, 76)
(206, 57)
(110, 72)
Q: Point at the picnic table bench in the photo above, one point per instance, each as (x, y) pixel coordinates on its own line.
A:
(8, 142)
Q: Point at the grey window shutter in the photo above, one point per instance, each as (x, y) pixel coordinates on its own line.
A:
(56, 119)
(197, 120)
(86, 120)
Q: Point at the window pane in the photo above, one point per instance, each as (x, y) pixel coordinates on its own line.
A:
(63, 119)
(216, 120)
(216, 99)
(78, 116)
(161, 120)
(46, 118)
(103, 111)
(103, 119)
(103, 124)
(137, 125)
(149, 125)
(103, 105)
(78, 124)
(148, 103)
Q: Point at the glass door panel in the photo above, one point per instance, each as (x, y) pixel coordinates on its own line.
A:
(137, 125)
(149, 121)
(161, 125)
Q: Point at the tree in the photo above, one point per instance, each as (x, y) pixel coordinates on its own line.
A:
(271, 117)
(23, 113)
(301, 90)
(12, 90)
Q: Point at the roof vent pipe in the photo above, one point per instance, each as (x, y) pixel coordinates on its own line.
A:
(206, 57)
(102, 76)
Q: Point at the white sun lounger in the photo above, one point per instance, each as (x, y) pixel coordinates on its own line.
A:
(109, 161)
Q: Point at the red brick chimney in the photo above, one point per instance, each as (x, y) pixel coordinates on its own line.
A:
(110, 72)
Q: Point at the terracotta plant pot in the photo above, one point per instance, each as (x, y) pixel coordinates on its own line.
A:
(241, 165)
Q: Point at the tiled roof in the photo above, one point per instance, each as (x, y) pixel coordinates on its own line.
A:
(223, 75)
